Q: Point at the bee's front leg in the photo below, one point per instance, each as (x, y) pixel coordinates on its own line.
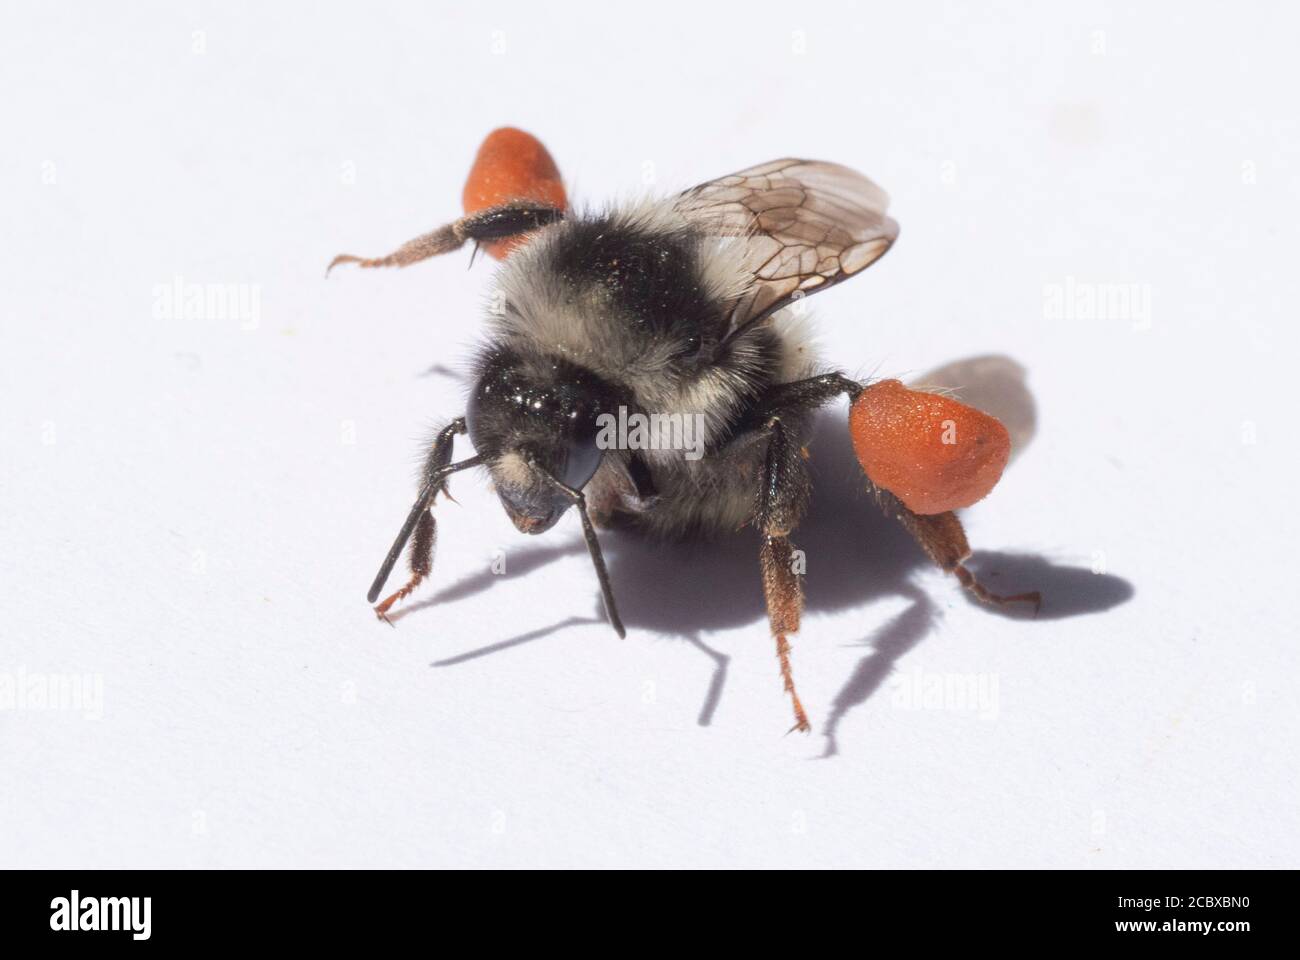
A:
(421, 561)
(424, 534)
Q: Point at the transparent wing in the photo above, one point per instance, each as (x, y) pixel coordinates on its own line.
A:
(806, 226)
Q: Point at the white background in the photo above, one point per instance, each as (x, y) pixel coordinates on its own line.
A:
(191, 510)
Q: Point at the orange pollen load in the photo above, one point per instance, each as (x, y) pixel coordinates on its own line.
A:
(930, 451)
(512, 165)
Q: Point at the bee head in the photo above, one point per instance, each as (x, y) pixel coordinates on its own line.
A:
(533, 419)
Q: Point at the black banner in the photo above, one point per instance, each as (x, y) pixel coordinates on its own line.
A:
(132, 909)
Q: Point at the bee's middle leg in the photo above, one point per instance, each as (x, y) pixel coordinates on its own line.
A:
(782, 500)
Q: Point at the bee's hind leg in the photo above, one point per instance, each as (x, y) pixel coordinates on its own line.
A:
(940, 535)
(494, 223)
(782, 501)
(942, 538)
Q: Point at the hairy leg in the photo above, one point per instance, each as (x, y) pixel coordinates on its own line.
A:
(420, 526)
(802, 395)
(940, 535)
(494, 223)
(944, 541)
(421, 560)
(782, 500)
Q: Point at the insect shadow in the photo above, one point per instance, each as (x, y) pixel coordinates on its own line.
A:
(855, 556)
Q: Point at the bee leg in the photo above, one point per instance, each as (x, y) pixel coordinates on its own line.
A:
(940, 535)
(421, 560)
(811, 392)
(443, 240)
(782, 501)
(421, 526)
(783, 591)
(944, 541)
(493, 223)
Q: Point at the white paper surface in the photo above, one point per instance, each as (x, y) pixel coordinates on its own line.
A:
(193, 507)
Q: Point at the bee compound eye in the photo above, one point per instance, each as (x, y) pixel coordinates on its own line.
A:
(583, 459)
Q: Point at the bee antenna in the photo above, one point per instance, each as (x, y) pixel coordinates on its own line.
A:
(593, 545)
(422, 502)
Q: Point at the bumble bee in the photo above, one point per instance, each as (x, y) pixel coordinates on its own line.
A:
(675, 308)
